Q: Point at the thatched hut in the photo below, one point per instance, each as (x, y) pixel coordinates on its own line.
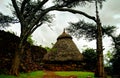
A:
(63, 55)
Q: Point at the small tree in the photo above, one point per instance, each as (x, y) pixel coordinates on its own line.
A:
(90, 59)
(108, 64)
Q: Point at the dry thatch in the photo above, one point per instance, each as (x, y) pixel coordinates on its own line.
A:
(64, 50)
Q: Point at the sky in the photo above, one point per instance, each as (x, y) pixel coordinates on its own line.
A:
(47, 34)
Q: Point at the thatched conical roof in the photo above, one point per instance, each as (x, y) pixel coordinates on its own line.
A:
(64, 50)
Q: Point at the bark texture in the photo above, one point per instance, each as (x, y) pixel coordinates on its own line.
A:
(16, 61)
(100, 66)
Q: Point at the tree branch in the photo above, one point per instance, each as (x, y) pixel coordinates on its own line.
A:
(40, 5)
(58, 8)
(37, 8)
(42, 15)
(36, 27)
(33, 26)
(18, 13)
(23, 5)
(30, 31)
(76, 12)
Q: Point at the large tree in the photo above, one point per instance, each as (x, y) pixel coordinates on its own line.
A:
(88, 30)
(31, 14)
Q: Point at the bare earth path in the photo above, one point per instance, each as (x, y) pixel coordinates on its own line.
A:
(51, 74)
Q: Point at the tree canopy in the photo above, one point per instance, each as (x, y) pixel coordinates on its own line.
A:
(74, 3)
(88, 30)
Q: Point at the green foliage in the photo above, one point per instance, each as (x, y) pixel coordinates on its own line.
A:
(81, 28)
(107, 57)
(108, 65)
(5, 20)
(116, 56)
(90, 59)
(74, 3)
(30, 40)
(109, 30)
(48, 49)
(71, 3)
(88, 30)
(30, 10)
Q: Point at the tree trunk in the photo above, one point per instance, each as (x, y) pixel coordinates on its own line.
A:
(16, 61)
(100, 65)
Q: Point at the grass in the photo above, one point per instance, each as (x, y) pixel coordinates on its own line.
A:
(35, 74)
(79, 74)
(39, 74)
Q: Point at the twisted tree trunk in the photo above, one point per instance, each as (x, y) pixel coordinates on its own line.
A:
(16, 60)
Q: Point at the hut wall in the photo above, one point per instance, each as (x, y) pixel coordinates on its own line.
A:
(63, 66)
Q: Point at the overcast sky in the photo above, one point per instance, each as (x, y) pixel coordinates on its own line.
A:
(45, 35)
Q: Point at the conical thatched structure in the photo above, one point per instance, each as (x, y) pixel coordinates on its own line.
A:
(64, 51)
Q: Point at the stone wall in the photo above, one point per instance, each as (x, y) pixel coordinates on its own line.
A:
(62, 67)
